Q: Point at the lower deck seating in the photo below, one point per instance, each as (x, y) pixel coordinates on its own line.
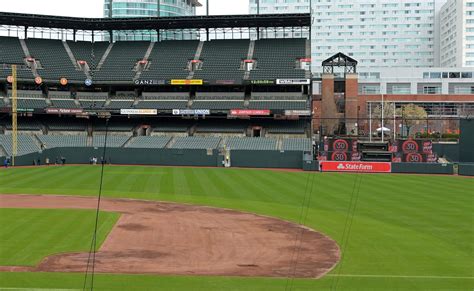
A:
(197, 143)
(297, 144)
(113, 141)
(25, 144)
(149, 142)
(251, 143)
(56, 141)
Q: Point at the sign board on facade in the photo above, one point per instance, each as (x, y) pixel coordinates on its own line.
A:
(249, 112)
(191, 112)
(293, 81)
(360, 167)
(63, 110)
(187, 82)
(298, 112)
(138, 111)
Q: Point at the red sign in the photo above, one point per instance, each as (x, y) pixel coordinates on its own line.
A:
(361, 167)
(249, 112)
(63, 111)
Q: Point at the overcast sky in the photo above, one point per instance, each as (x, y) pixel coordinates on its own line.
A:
(94, 8)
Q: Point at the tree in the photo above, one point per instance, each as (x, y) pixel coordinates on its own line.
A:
(388, 112)
(412, 115)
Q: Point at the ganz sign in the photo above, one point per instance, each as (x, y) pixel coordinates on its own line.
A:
(360, 167)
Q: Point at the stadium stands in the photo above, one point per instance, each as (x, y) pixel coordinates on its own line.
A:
(121, 61)
(26, 144)
(196, 143)
(91, 52)
(277, 58)
(55, 141)
(12, 53)
(297, 144)
(113, 141)
(53, 59)
(149, 142)
(169, 60)
(251, 143)
(221, 59)
(163, 101)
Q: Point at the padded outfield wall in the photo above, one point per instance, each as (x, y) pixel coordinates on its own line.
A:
(466, 141)
(168, 157)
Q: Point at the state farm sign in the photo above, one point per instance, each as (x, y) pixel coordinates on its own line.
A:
(361, 167)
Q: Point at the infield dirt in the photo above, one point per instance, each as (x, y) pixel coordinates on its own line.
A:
(176, 239)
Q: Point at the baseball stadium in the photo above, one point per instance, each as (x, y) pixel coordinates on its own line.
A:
(210, 157)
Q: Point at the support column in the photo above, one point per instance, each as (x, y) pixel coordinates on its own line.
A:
(351, 103)
(329, 120)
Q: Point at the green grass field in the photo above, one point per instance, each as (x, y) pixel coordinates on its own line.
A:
(29, 235)
(407, 232)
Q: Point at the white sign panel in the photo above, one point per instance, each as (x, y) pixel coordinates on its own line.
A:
(191, 112)
(138, 111)
(292, 81)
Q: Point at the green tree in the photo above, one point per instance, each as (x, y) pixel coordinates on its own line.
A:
(412, 115)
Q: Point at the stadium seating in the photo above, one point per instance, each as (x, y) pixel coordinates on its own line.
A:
(169, 60)
(196, 143)
(221, 126)
(25, 146)
(113, 141)
(120, 104)
(295, 127)
(121, 61)
(87, 51)
(297, 144)
(251, 143)
(221, 59)
(277, 58)
(279, 105)
(55, 141)
(26, 124)
(67, 124)
(12, 53)
(54, 60)
(149, 142)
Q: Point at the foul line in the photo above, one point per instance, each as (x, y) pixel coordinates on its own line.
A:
(398, 276)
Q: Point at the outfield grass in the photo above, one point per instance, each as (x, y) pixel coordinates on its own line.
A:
(408, 232)
(29, 235)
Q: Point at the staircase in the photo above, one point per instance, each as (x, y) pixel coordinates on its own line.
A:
(104, 57)
(171, 143)
(249, 57)
(26, 51)
(36, 140)
(71, 55)
(147, 55)
(125, 145)
(197, 56)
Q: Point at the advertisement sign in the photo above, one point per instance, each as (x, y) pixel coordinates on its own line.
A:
(138, 111)
(191, 112)
(360, 167)
(187, 82)
(262, 82)
(149, 82)
(292, 81)
(249, 112)
(298, 112)
(63, 110)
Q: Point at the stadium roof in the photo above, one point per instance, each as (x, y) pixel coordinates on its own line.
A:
(181, 22)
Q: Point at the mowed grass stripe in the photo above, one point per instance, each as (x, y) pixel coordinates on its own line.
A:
(42, 232)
